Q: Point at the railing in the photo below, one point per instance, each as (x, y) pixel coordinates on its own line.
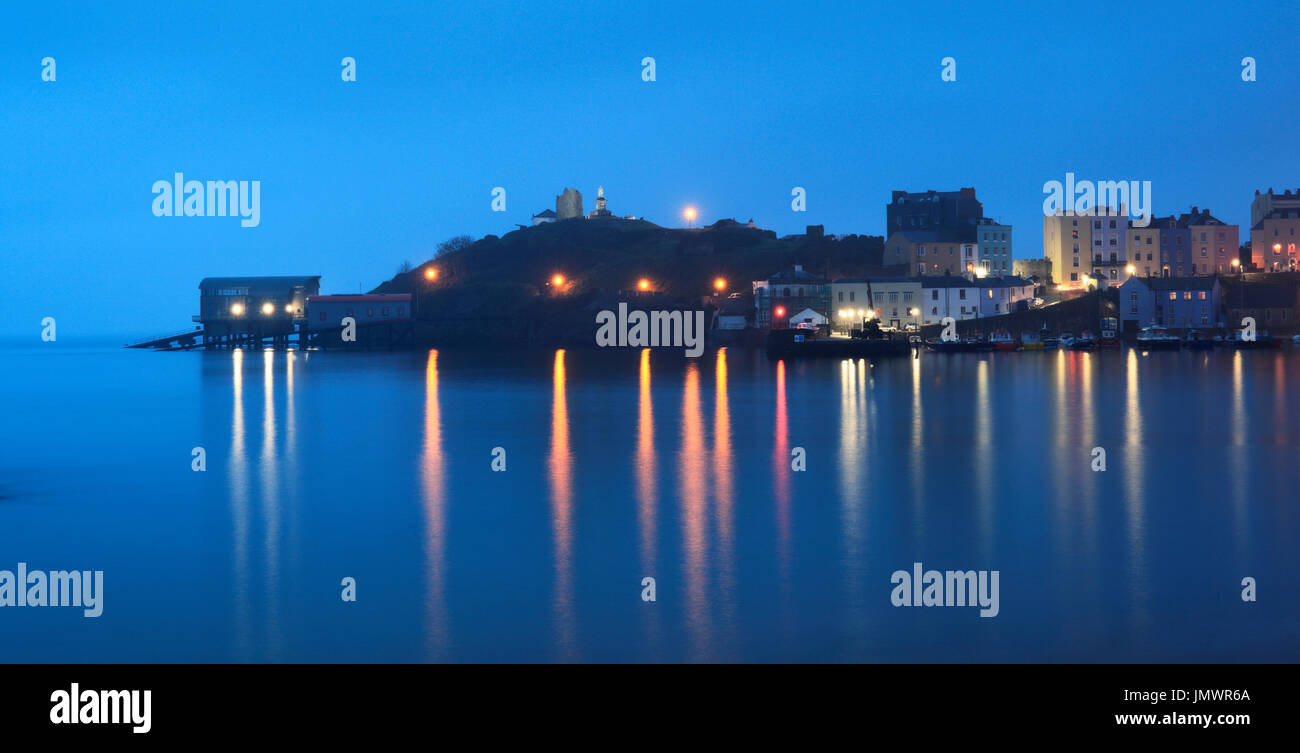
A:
(165, 337)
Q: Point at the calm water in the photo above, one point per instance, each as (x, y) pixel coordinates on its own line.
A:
(623, 465)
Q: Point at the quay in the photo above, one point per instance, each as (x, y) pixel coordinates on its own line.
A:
(283, 312)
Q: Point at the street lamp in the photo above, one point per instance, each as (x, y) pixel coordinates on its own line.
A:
(644, 284)
(1130, 269)
(557, 280)
(719, 284)
(431, 273)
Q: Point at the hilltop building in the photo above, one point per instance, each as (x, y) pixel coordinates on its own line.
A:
(993, 240)
(1274, 219)
(1088, 247)
(545, 216)
(600, 210)
(932, 252)
(568, 205)
(954, 213)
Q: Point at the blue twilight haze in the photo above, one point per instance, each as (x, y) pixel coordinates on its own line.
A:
(750, 100)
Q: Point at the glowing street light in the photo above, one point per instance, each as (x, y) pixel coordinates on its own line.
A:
(1130, 269)
(237, 309)
(644, 284)
(267, 308)
(719, 284)
(557, 280)
(690, 216)
(431, 273)
(779, 312)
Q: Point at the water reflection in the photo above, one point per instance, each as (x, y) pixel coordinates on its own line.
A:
(239, 515)
(781, 479)
(561, 478)
(647, 491)
(984, 456)
(270, 504)
(918, 453)
(693, 492)
(724, 496)
(853, 460)
(433, 486)
(1240, 463)
(1135, 489)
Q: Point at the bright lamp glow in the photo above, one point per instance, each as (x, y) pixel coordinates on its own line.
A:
(267, 308)
(557, 280)
(431, 273)
(644, 284)
(720, 284)
(237, 309)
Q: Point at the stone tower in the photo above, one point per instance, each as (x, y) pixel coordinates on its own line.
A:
(568, 204)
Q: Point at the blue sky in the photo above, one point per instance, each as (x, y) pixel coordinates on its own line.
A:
(751, 99)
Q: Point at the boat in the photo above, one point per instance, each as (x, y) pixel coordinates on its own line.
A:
(1066, 339)
(1030, 341)
(1156, 338)
(940, 345)
(867, 343)
(1083, 342)
(1002, 341)
(1049, 341)
(1261, 341)
(1109, 339)
(1198, 340)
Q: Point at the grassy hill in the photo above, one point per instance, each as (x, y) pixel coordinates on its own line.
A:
(499, 287)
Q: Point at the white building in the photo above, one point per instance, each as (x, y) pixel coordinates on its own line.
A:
(943, 296)
(896, 301)
(999, 295)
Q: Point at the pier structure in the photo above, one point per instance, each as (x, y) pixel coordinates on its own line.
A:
(283, 312)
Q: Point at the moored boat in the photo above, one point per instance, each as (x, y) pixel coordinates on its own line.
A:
(788, 343)
(1198, 340)
(1030, 341)
(1156, 338)
(1086, 341)
(1002, 341)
